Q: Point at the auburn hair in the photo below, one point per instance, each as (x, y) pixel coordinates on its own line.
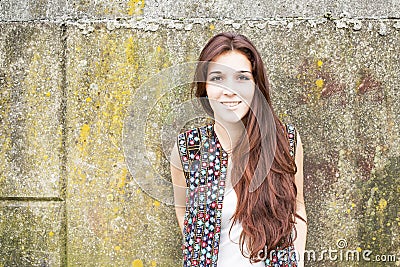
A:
(267, 213)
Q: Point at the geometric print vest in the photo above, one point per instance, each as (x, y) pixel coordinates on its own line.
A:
(204, 165)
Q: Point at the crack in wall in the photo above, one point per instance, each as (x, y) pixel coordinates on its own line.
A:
(63, 152)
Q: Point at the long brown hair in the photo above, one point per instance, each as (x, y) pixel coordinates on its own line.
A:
(267, 214)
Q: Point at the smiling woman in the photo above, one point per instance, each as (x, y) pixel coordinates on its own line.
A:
(238, 182)
(230, 86)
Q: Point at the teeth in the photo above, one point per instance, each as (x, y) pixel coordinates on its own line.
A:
(231, 104)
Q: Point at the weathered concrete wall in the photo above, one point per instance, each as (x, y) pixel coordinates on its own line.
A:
(68, 73)
(17, 10)
(32, 180)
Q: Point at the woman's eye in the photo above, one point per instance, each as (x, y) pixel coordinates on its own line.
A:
(243, 77)
(216, 78)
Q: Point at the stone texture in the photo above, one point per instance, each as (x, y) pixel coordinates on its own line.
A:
(112, 222)
(31, 234)
(359, 9)
(30, 110)
(238, 10)
(233, 10)
(60, 10)
(105, 9)
(17, 10)
(395, 9)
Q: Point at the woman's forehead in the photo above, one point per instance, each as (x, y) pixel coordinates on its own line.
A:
(231, 61)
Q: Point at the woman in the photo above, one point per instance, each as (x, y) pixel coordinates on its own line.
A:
(238, 182)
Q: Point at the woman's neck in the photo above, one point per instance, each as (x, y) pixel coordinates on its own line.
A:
(229, 134)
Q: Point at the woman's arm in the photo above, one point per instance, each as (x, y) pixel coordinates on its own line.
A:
(301, 226)
(179, 184)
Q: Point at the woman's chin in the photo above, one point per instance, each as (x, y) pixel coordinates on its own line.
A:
(228, 117)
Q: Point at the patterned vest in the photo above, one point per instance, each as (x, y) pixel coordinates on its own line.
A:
(204, 164)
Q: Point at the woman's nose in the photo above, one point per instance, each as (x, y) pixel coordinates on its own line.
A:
(227, 89)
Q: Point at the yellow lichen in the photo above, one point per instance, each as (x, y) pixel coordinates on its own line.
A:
(382, 204)
(85, 130)
(130, 50)
(212, 27)
(51, 233)
(135, 7)
(114, 72)
(83, 138)
(122, 180)
(137, 263)
(319, 63)
(319, 83)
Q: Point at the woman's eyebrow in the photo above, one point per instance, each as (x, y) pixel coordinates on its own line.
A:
(239, 71)
(244, 71)
(215, 72)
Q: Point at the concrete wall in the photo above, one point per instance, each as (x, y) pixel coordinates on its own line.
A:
(69, 70)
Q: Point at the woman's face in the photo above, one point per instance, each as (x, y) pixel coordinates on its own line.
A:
(230, 86)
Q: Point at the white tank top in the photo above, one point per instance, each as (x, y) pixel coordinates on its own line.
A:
(229, 254)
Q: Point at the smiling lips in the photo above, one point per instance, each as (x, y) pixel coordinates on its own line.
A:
(231, 103)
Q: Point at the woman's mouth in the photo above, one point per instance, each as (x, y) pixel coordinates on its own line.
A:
(231, 103)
